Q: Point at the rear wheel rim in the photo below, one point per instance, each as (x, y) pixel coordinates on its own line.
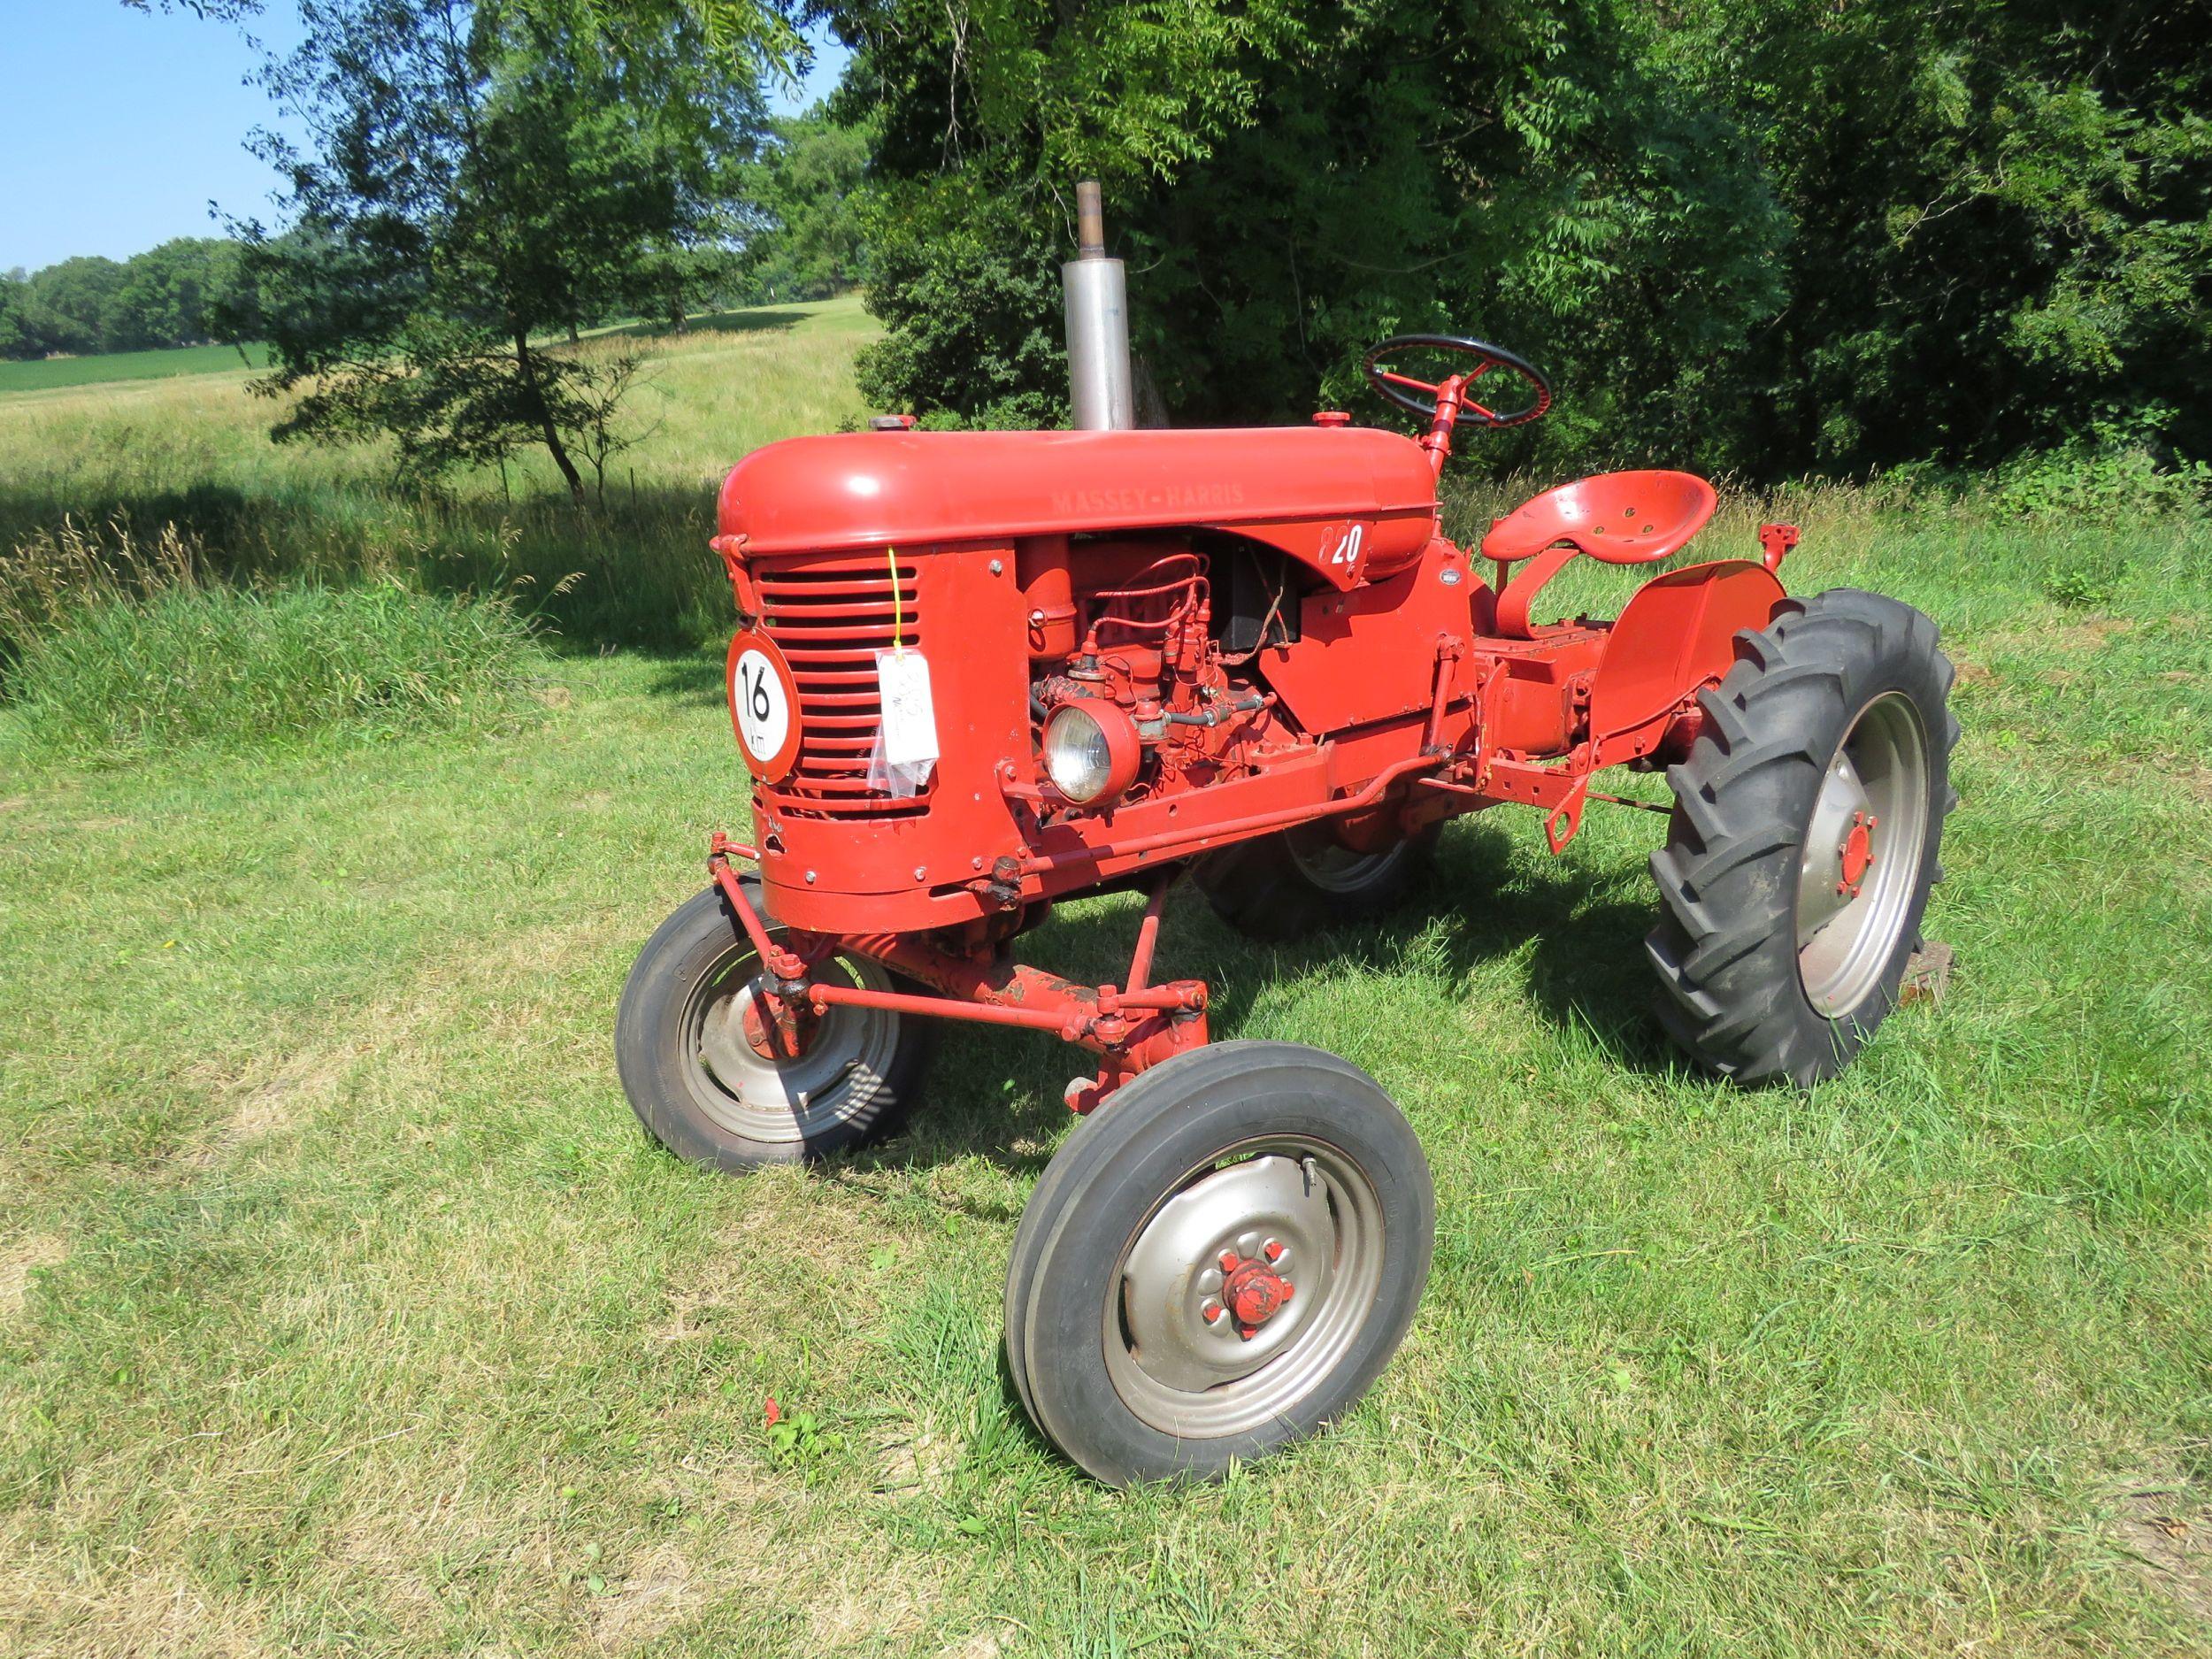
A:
(839, 1077)
(1859, 869)
(1333, 867)
(1193, 1377)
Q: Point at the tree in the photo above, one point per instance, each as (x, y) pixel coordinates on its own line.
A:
(77, 305)
(1295, 179)
(173, 295)
(482, 175)
(2002, 221)
(1765, 238)
(218, 11)
(17, 337)
(807, 186)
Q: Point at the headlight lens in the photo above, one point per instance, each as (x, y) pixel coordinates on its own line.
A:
(1078, 756)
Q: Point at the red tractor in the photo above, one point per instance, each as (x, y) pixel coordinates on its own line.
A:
(977, 672)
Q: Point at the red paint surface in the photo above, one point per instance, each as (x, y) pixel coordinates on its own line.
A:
(1049, 567)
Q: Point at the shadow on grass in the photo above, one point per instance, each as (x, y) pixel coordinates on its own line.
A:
(692, 678)
(632, 573)
(995, 1094)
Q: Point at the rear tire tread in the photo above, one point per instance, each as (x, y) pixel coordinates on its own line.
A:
(1725, 950)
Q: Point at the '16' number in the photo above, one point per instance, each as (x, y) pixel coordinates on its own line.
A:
(753, 675)
(764, 707)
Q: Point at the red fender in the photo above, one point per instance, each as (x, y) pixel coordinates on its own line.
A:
(1675, 636)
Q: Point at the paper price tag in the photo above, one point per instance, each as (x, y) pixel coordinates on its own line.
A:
(909, 719)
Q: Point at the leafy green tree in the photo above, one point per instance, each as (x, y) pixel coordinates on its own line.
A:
(79, 306)
(18, 339)
(173, 295)
(807, 185)
(2003, 220)
(1293, 180)
(482, 175)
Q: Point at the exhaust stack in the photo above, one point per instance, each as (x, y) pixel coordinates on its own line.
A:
(1101, 389)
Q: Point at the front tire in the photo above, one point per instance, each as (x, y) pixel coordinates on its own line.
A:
(1804, 839)
(1140, 1347)
(1285, 886)
(704, 1091)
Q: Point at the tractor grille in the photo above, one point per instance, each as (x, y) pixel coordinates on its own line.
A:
(830, 617)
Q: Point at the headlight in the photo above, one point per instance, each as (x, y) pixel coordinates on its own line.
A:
(1091, 751)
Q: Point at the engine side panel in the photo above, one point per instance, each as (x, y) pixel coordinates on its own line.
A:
(1370, 655)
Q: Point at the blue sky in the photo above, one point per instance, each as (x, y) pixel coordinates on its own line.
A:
(118, 127)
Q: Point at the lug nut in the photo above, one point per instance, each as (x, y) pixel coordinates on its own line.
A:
(1273, 1250)
(1287, 1288)
(1248, 1332)
(1211, 1311)
(1228, 1260)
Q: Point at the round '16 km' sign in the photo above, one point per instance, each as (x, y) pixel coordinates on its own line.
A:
(763, 705)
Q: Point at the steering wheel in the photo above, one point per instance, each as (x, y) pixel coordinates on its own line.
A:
(1401, 389)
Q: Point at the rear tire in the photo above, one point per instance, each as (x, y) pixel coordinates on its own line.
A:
(1289, 1158)
(705, 1095)
(1804, 839)
(1296, 881)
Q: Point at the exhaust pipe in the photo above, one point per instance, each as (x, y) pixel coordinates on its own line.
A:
(1101, 389)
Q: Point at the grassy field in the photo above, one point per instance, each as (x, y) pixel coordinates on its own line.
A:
(48, 372)
(195, 451)
(343, 1309)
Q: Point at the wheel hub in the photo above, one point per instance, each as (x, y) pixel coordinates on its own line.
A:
(1857, 851)
(1227, 1273)
(1252, 1290)
(769, 1068)
(774, 1027)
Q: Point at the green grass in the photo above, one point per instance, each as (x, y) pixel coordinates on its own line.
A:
(248, 668)
(48, 373)
(343, 1310)
(195, 452)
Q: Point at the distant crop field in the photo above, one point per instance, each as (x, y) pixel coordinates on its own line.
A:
(128, 365)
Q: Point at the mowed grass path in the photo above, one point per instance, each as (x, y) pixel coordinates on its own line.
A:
(343, 1309)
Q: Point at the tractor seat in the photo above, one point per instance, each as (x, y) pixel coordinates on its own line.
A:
(1620, 517)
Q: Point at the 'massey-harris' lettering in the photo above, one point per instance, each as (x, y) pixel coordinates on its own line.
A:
(1148, 498)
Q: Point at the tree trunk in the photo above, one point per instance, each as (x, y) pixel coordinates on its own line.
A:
(527, 368)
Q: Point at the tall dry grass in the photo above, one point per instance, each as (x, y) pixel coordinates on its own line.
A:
(51, 577)
(195, 452)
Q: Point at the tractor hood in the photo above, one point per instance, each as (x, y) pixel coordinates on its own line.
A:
(1348, 500)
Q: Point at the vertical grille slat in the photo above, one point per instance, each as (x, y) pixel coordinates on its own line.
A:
(830, 617)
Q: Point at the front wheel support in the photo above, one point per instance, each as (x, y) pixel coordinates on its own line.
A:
(1130, 1027)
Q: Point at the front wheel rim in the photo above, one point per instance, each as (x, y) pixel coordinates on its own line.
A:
(1335, 868)
(1860, 870)
(840, 1077)
(1178, 1351)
